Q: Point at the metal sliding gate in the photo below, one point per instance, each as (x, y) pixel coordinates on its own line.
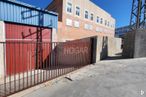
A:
(25, 63)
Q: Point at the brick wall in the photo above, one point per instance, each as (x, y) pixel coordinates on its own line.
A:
(71, 32)
(56, 6)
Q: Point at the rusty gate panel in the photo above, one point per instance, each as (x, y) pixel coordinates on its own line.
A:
(74, 53)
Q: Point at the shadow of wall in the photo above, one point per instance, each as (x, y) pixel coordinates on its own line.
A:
(107, 46)
(104, 50)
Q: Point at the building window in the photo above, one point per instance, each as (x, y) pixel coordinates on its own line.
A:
(92, 16)
(105, 22)
(76, 24)
(77, 11)
(108, 24)
(86, 15)
(68, 22)
(101, 21)
(69, 7)
(97, 19)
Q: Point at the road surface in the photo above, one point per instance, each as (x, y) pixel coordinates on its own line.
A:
(112, 78)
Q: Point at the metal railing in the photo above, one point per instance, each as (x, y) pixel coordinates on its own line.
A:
(26, 64)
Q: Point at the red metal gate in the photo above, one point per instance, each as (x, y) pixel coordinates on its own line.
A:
(51, 60)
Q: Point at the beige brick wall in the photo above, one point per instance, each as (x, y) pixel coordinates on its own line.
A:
(70, 32)
(56, 6)
(114, 46)
(107, 46)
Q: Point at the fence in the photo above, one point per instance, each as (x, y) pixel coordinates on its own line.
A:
(25, 64)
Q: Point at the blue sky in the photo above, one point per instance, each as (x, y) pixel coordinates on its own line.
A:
(119, 9)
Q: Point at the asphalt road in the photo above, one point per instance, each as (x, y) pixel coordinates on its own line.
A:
(117, 78)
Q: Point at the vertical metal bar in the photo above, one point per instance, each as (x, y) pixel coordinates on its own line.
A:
(23, 64)
(74, 58)
(131, 18)
(35, 62)
(57, 55)
(58, 52)
(15, 71)
(144, 13)
(12, 64)
(80, 59)
(42, 61)
(138, 14)
(37, 49)
(27, 64)
(54, 63)
(62, 52)
(19, 65)
(47, 51)
(50, 60)
(45, 61)
(54, 71)
(84, 54)
(31, 69)
(10, 58)
(40, 66)
(63, 70)
(47, 55)
(75, 61)
(55, 60)
(90, 51)
(5, 75)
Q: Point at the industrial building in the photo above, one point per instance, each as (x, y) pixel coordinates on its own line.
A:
(22, 24)
(121, 31)
(36, 47)
(80, 19)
